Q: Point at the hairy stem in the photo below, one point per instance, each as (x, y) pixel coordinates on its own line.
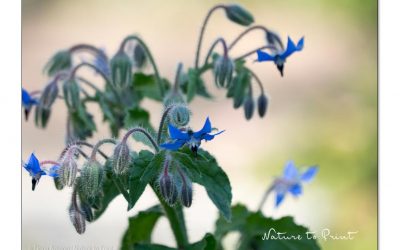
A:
(176, 220)
(48, 162)
(254, 51)
(85, 47)
(97, 146)
(148, 53)
(257, 80)
(241, 35)
(178, 74)
(219, 40)
(85, 64)
(203, 27)
(143, 131)
(162, 122)
(264, 198)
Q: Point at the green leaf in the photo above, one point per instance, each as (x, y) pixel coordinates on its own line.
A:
(207, 243)
(152, 247)
(253, 226)
(241, 86)
(82, 123)
(204, 170)
(140, 227)
(147, 85)
(136, 184)
(153, 169)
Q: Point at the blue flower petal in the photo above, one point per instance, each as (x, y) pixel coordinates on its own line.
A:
(290, 171)
(173, 145)
(263, 56)
(300, 44)
(290, 49)
(296, 189)
(33, 165)
(309, 174)
(176, 134)
(279, 198)
(209, 137)
(25, 97)
(53, 171)
(205, 130)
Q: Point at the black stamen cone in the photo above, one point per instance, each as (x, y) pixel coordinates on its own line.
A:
(34, 182)
(280, 68)
(27, 114)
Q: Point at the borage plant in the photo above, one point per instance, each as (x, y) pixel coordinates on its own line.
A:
(176, 161)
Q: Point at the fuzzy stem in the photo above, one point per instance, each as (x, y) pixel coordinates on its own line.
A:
(203, 27)
(257, 80)
(141, 42)
(178, 73)
(48, 162)
(163, 117)
(264, 198)
(97, 146)
(75, 69)
(87, 47)
(219, 40)
(254, 51)
(90, 84)
(143, 131)
(176, 221)
(241, 35)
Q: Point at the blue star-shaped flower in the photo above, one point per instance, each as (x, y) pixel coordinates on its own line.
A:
(279, 56)
(27, 102)
(190, 138)
(291, 181)
(34, 170)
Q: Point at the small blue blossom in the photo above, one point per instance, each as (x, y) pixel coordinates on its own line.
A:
(279, 56)
(27, 102)
(291, 181)
(35, 171)
(190, 138)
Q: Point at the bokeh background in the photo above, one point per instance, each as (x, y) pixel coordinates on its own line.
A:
(324, 111)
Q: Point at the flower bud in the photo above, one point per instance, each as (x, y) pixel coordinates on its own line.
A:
(239, 15)
(91, 178)
(173, 97)
(262, 105)
(71, 94)
(121, 158)
(168, 188)
(62, 60)
(273, 39)
(179, 115)
(248, 107)
(223, 71)
(49, 95)
(86, 210)
(121, 67)
(68, 170)
(58, 183)
(102, 64)
(139, 56)
(186, 192)
(77, 218)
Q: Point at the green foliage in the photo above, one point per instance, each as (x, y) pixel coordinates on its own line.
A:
(140, 227)
(147, 86)
(253, 226)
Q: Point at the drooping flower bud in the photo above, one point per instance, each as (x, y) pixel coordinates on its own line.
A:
(179, 115)
(76, 215)
(168, 186)
(121, 158)
(43, 109)
(239, 15)
(139, 56)
(71, 94)
(223, 71)
(186, 190)
(68, 170)
(173, 97)
(262, 105)
(121, 69)
(274, 40)
(86, 210)
(91, 178)
(249, 107)
(58, 183)
(62, 60)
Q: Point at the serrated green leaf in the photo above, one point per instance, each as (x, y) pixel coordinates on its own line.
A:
(153, 169)
(207, 243)
(140, 227)
(193, 79)
(147, 85)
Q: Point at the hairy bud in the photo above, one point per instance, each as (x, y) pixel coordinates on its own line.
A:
(186, 190)
(91, 178)
(58, 183)
(262, 104)
(77, 218)
(121, 67)
(86, 210)
(173, 97)
(68, 170)
(249, 107)
(49, 95)
(239, 15)
(71, 94)
(180, 115)
(223, 71)
(121, 158)
(61, 61)
(167, 185)
(139, 56)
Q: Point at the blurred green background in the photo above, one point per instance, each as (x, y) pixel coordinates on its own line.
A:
(324, 111)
